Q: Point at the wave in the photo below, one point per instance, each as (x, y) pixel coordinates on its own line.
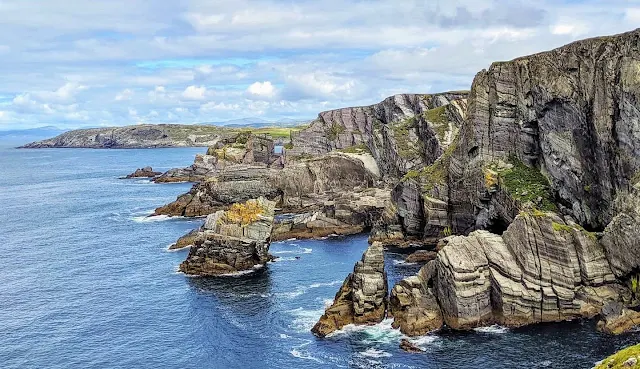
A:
(149, 219)
(494, 329)
(402, 262)
(303, 250)
(304, 355)
(243, 272)
(374, 353)
(300, 290)
(303, 319)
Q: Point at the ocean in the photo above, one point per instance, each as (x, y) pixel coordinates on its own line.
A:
(87, 281)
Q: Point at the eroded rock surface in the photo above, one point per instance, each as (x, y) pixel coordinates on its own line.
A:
(362, 299)
(413, 305)
(146, 172)
(233, 240)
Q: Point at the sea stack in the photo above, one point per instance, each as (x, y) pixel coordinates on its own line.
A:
(233, 240)
(362, 299)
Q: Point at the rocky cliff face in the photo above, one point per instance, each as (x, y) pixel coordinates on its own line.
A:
(542, 269)
(138, 136)
(362, 299)
(233, 240)
(571, 114)
(401, 132)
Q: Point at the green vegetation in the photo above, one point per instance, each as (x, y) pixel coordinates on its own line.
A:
(447, 231)
(635, 180)
(618, 360)
(288, 146)
(356, 149)
(274, 132)
(526, 184)
(333, 131)
(436, 173)
(437, 115)
(401, 135)
(559, 227)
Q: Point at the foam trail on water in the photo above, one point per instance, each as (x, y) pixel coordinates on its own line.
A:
(495, 329)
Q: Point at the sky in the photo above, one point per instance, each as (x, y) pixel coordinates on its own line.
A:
(78, 63)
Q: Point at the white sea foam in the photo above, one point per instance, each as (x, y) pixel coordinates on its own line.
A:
(284, 336)
(305, 355)
(148, 219)
(300, 290)
(402, 262)
(303, 319)
(495, 329)
(374, 353)
(298, 250)
(169, 249)
(243, 272)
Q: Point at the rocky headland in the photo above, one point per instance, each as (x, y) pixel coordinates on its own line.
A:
(523, 195)
(146, 172)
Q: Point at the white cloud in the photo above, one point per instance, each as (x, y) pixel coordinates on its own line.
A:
(126, 94)
(261, 90)
(194, 93)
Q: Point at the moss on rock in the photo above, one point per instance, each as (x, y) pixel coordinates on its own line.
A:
(626, 358)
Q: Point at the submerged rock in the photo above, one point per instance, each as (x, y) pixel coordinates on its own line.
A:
(362, 299)
(407, 346)
(146, 172)
(233, 240)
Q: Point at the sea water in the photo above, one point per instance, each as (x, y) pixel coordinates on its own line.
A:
(87, 281)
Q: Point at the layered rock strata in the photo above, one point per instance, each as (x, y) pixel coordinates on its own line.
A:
(233, 240)
(362, 299)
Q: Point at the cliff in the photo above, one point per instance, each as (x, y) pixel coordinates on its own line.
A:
(401, 132)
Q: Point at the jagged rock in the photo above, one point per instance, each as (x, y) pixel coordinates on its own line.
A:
(346, 213)
(407, 346)
(616, 319)
(203, 166)
(421, 256)
(233, 240)
(146, 172)
(401, 132)
(413, 305)
(187, 240)
(362, 299)
(210, 196)
(542, 269)
(570, 113)
(621, 238)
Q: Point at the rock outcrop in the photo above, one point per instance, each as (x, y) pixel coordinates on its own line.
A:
(233, 240)
(616, 319)
(542, 269)
(421, 256)
(570, 113)
(146, 172)
(413, 305)
(401, 132)
(362, 299)
(621, 238)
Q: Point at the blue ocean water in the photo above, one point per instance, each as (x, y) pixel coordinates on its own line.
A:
(87, 281)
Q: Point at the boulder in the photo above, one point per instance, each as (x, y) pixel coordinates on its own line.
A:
(362, 298)
(616, 319)
(407, 346)
(187, 240)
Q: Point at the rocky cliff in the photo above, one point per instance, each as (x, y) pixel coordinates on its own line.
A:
(401, 132)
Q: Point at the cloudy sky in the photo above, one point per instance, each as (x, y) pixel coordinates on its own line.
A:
(75, 63)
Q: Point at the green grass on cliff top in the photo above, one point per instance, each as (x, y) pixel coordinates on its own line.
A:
(617, 360)
(527, 184)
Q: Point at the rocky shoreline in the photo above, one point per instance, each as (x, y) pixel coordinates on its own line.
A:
(523, 196)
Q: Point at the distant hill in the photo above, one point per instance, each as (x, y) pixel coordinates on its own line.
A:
(253, 122)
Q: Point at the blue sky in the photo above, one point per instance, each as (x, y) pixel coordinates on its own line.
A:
(77, 63)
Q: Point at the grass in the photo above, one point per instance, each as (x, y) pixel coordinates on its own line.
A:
(617, 360)
(333, 131)
(288, 146)
(401, 135)
(635, 179)
(244, 214)
(274, 132)
(527, 184)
